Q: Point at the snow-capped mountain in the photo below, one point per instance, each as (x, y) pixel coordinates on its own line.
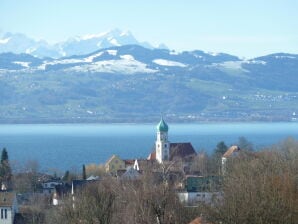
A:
(91, 42)
(132, 59)
(20, 43)
(127, 59)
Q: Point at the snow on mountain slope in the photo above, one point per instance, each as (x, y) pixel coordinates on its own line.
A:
(125, 65)
(22, 63)
(164, 62)
(4, 41)
(133, 59)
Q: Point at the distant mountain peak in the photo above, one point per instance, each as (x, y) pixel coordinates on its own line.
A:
(77, 45)
(91, 36)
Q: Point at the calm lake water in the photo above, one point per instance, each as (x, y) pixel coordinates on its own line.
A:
(68, 146)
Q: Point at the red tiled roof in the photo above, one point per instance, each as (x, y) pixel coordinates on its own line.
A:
(231, 150)
(196, 221)
(199, 220)
(152, 156)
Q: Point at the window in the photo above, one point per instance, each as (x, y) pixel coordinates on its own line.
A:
(3, 213)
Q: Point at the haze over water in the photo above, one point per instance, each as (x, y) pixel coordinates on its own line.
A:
(68, 146)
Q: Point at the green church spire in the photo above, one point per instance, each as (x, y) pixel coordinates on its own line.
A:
(162, 126)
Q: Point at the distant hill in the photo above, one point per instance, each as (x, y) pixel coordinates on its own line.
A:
(131, 83)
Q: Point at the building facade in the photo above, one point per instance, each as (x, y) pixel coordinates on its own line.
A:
(8, 207)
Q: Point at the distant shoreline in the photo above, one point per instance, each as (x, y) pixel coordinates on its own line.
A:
(147, 122)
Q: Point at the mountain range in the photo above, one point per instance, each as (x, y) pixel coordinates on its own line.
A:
(134, 82)
(20, 43)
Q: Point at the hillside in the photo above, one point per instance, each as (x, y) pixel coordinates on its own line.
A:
(131, 83)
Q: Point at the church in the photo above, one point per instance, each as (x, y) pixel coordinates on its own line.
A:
(164, 150)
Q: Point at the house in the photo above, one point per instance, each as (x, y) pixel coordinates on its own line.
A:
(200, 189)
(164, 150)
(49, 187)
(129, 162)
(144, 164)
(8, 207)
(130, 174)
(231, 152)
(61, 191)
(114, 164)
(78, 185)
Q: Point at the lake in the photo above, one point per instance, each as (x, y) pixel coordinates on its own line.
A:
(68, 146)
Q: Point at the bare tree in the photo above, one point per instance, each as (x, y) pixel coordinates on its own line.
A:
(95, 204)
(200, 164)
(26, 180)
(259, 189)
(152, 199)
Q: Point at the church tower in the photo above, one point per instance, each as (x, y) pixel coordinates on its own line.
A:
(162, 145)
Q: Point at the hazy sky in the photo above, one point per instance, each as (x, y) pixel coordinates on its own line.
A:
(244, 28)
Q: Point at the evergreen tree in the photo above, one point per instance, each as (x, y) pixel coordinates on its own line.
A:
(84, 172)
(4, 155)
(244, 144)
(66, 176)
(5, 170)
(221, 148)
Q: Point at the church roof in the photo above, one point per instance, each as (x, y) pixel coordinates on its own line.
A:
(162, 126)
(177, 150)
(181, 150)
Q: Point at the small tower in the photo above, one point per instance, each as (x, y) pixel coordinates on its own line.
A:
(162, 145)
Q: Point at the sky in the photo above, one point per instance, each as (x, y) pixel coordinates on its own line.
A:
(243, 28)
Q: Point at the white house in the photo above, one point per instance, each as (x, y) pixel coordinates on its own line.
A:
(8, 207)
(48, 187)
(194, 198)
(199, 189)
